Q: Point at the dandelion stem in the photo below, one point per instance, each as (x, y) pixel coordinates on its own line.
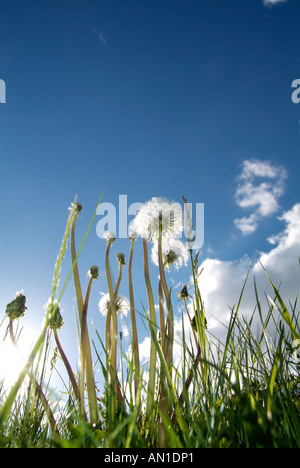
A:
(152, 363)
(135, 344)
(170, 317)
(86, 362)
(114, 329)
(76, 277)
(67, 366)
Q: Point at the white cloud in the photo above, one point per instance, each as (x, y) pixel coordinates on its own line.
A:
(221, 282)
(260, 185)
(270, 3)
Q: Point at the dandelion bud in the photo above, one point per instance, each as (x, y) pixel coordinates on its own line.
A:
(183, 294)
(121, 258)
(78, 207)
(94, 272)
(16, 308)
(56, 320)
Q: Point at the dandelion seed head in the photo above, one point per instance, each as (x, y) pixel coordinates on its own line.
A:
(109, 237)
(158, 213)
(122, 304)
(174, 252)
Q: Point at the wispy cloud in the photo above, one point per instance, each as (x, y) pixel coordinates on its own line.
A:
(100, 36)
(270, 3)
(260, 185)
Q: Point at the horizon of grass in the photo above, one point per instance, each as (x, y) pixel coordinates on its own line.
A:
(244, 392)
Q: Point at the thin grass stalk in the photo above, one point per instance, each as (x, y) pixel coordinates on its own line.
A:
(4, 411)
(40, 393)
(135, 343)
(171, 392)
(283, 310)
(198, 308)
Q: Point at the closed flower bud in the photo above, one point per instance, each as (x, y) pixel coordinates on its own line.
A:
(93, 272)
(56, 320)
(121, 258)
(16, 308)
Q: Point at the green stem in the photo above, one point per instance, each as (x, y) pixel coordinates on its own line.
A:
(135, 344)
(152, 363)
(114, 325)
(76, 277)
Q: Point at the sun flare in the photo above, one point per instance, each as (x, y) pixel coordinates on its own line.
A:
(14, 359)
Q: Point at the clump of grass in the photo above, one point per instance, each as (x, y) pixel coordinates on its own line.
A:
(243, 392)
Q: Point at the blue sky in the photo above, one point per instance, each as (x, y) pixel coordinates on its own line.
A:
(145, 98)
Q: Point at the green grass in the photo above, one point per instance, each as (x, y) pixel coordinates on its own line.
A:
(243, 392)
